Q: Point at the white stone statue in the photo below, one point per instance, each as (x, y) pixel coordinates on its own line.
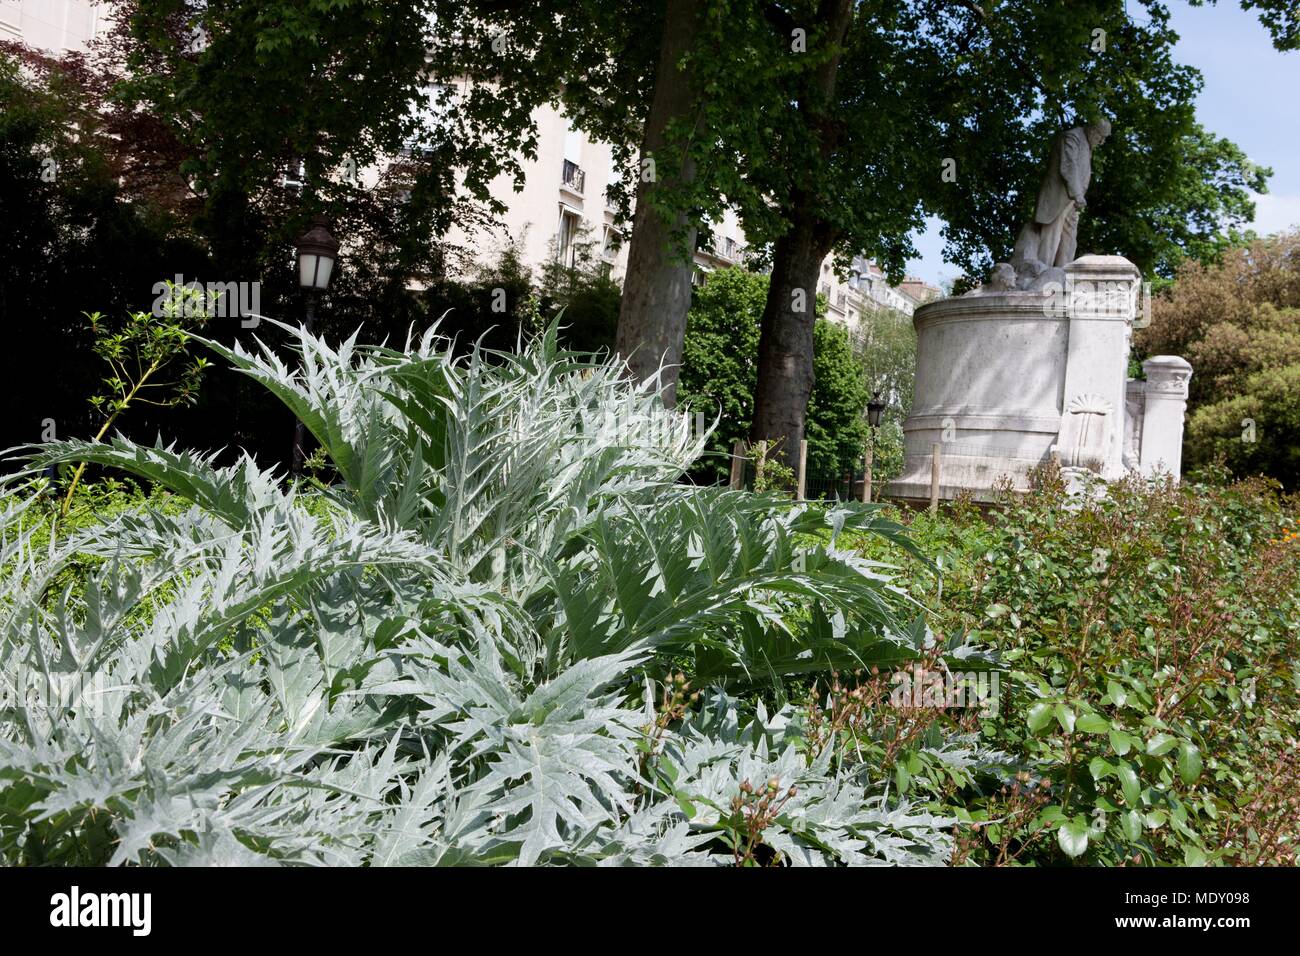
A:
(1049, 241)
(1052, 237)
(1032, 366)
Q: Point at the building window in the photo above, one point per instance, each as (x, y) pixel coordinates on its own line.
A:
(573, 177)
(613, 239)
(613, 176)
(567, 244)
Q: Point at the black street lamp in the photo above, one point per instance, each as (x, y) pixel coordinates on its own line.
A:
(875, 408)
(317, 252)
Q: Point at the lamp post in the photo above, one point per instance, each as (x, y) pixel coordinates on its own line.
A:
(317, 251)
(875, 408)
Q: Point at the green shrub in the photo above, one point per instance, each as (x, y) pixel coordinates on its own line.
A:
(884, 345)
(1238, 322)
(1151, 705)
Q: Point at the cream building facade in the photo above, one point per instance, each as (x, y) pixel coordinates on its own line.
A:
(564, 198)
(55, 25)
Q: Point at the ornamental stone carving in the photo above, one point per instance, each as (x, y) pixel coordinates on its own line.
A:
(1085, 433)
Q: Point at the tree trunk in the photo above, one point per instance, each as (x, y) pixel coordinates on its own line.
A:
(785, 344)
(657, 287)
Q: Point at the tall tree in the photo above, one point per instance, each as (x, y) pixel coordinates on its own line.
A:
(1164, 189)
(1238, 322)
(719, 366)
(657, 290)
(678, 87)
(785, 341)
(913, 107)
(261, 93)
(849, 164)
(825, 121)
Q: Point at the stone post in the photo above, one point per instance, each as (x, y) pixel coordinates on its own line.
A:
(1100, 296)
(1162, 423)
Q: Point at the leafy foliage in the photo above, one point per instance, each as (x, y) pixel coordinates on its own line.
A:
(1151, 709)
(1238, 323)
(141, 349)
(1164, 188)
(70, 241)
(884, 344)
(720, 368)
(447, 654)
(837, 423)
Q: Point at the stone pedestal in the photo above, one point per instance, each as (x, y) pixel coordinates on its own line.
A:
(1005, 380)
(988, 391)
(1165, 394)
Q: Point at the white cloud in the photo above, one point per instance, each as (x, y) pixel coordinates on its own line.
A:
(1274, 213)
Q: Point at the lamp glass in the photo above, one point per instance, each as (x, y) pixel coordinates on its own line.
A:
(324, 269)
(875, 408)
(307, 269)
(314, 270)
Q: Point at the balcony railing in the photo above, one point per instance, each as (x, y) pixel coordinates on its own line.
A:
(573, 177)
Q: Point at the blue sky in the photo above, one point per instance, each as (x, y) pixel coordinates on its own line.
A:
(1251, 95)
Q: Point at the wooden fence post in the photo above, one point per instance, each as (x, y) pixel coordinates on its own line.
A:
(760, 463)
(935, 455)
(867, 461)
(802, 487)
(737, 464)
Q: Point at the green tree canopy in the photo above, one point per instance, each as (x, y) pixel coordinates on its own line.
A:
(907, 108)
(1238, 323)
(720, 367)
